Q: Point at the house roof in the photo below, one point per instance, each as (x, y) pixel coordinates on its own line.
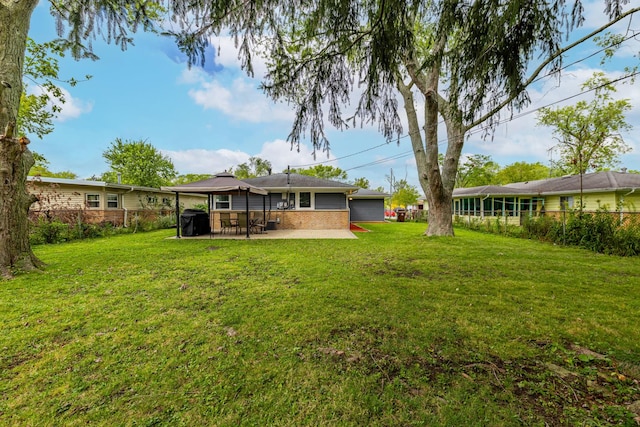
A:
(220, 183)
(283, 181)
(494, 190)
(95, 184)
(364, 193)
(591, 183)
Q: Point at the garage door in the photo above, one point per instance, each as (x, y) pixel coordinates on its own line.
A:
(367, 209)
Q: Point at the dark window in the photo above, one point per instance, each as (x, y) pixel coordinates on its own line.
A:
(305, 200)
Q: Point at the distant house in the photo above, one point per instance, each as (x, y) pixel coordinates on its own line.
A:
(301, 202)
(288, 201)
(614, 191)
(97, 201)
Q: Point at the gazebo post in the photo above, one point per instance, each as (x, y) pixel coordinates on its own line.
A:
(246, 195)
(177, 215)
(211, 222)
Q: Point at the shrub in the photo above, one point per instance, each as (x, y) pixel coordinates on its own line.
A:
(49, 232)
(601, 232)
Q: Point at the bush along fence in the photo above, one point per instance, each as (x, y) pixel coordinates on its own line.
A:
(64, 226)
(601, 231)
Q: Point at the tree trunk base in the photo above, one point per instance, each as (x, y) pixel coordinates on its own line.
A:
(437, 231)
(26, 263)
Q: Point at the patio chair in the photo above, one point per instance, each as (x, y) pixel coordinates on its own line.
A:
(242, 222)
(226, 224)
(258, 225)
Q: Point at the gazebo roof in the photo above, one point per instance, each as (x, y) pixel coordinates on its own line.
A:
(221, 183)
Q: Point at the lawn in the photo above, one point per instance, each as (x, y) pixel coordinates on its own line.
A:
(391, 329)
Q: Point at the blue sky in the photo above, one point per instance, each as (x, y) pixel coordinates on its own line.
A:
(209, 119)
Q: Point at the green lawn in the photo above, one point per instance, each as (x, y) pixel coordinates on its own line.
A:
(390, 329)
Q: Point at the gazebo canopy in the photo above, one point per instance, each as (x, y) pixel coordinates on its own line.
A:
(222, 183)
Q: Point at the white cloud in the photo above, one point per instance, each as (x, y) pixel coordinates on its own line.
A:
(281, 154)
(192, 76)
(278, 152)
(227, 55)
(71, 109)
(241, 100)
(205, 161)
(521, 139)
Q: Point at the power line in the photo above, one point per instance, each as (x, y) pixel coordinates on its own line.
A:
(480, 128)
(526, 113)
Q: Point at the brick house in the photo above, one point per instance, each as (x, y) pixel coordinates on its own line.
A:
(303, 202)
(99, 202)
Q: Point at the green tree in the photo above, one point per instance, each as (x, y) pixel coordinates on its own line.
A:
(138, 163)
(477, 170)
(361, 182)
(404, 194)
(41, 68)
(190, 177)
(41, 168)
(589, 133)
(323, 171)
(254, 168)
(87, 19)
(522, 172)
(37, 111)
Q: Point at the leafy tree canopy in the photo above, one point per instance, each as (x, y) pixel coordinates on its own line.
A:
(138, 163)
(404, 194)
(477, 170)
(323, 171)
(361, 182)
(589, 133)
(41, 69)
(41, 168)
(253, 168)
(190, 177)
(522, 172)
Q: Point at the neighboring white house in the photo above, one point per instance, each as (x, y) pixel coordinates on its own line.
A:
(98, 201)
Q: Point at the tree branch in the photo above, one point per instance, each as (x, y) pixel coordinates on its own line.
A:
(546, 62)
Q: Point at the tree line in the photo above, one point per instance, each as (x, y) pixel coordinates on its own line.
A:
(138, 162)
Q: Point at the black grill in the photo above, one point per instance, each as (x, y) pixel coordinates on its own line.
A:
(194, 222)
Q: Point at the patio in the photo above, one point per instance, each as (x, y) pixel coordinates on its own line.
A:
(277, 234)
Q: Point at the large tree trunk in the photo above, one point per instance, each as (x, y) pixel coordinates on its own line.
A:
(437, 184)
(15, 159)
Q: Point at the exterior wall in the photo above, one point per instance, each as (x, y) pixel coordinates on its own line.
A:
(54, 196)
(320, 201)
(295, 219)
(553, 206)
(328, 212)
(313, 220)
(631, 202)
(68, 203)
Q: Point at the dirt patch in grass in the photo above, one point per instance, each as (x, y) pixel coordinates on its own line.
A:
(565, 386)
